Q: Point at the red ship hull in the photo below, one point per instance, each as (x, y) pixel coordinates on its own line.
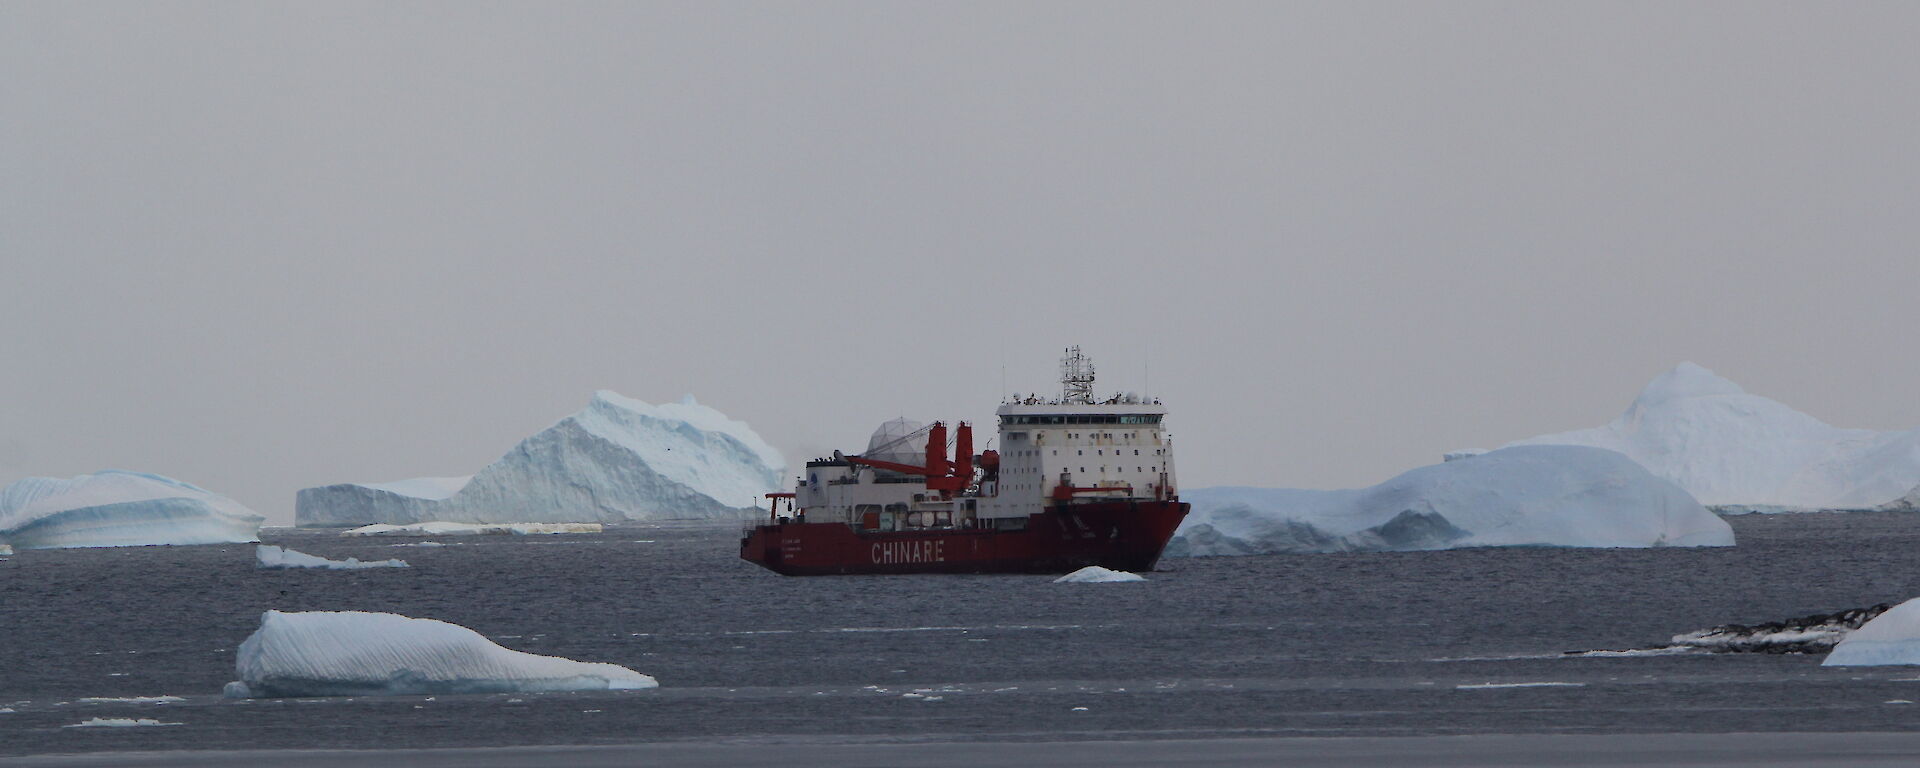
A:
(1122, 535)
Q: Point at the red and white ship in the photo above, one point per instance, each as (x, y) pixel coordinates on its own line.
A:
(1076, 482)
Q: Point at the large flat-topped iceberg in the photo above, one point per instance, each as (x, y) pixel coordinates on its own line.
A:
(352, 653)
(1728, 447)
(617, 460)
(1553, 495)
(1889, 639)
(119, 509)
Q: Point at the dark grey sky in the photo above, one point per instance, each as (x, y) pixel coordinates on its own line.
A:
(264, 246)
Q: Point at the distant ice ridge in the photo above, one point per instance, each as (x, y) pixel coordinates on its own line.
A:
(1728, 447)
(1892, 638)
(1548, 495)
(280, 558)
(351, 653)
(1094, 574)
(617, 460)
(471, 529)
(119, 509)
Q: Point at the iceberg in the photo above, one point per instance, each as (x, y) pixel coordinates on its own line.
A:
(1547, 495)
(1731, 448)
(1891, 638)
(471, 529)
(282, 558)
(617, 460)
(1094, 574)
(352, 653)
(1907, 503)
(119, 509)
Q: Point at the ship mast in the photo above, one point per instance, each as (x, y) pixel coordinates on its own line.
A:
(1076, 377)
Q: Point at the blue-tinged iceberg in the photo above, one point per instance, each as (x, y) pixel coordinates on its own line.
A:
(1549, 495)
(617, 460)
(1731, 448)
(119, 509)
(1890, 639)
(353, 653)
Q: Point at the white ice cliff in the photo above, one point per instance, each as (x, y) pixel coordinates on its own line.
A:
(1889, 639)
(351, 653)
(281, 558)
(617, 460)
(1550, 495)
(119, 509)
(1728, 447)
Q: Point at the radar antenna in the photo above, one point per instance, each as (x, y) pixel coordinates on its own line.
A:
(1076, 377)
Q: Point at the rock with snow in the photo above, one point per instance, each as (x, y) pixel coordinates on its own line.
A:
(119, 509)
(616, 460)
(1892, 638)
(351, 653)
(1094, 574)
(1907, 503)
(281, 558)
(1548, 495)
(1731, 448)
(472, 529)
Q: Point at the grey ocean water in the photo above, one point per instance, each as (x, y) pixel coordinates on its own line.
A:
(1210, 648)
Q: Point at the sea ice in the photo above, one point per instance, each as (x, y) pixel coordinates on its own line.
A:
(117, 722)
(119, 509)
(352, 653)
(1547, 495)
(1094, 574)
(472, 529)
(277, 558)
(618, 459)
(1731, 448)
(1892, 638)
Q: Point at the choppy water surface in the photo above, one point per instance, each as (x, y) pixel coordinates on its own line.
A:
(1367, 644)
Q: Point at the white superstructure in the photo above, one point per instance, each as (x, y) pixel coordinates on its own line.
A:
(1053, 451)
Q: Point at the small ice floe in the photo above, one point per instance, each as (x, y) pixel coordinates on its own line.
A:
(281, 558)
(5, 550)
(472, 529)
(1493, 686)
(351, 653)
(423, 544)
(1897, 701)
(128, 700)
(1079, 709)
(1891, 638)
(118, 722)
(1094, 574)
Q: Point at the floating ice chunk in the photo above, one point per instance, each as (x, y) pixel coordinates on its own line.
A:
(1540, 495)
(618, 459)
(351, 653)
(119, 509)
(117, 722)
(472, 529)
(278, 558)
(5, 550)
(1496, 686)
(128, 700)
(423, 544)
(1892, 638)
(1094, 574)
(1731, 448)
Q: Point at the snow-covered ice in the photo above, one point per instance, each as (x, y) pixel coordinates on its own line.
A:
(472, 529)
(1728, 447)
(1094, 574)
(1892, 638)
(618, 459)
(352, 653)
(1547, 495)
(277, 558)
(119, 509)
(128, 700)
(117, 722)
